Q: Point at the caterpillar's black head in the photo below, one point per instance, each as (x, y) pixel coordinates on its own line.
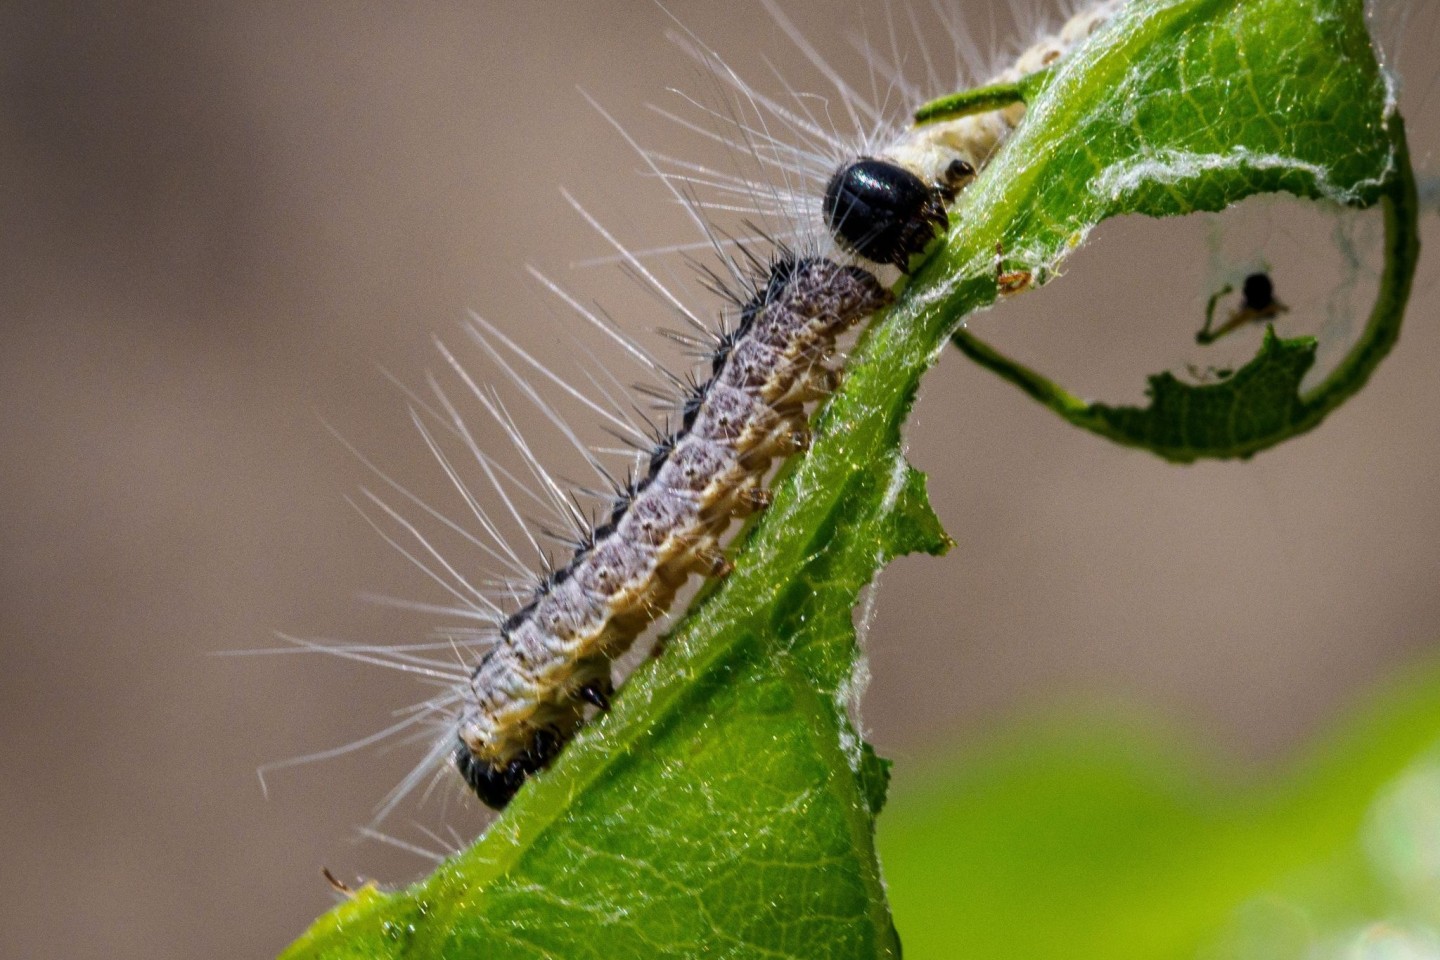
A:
(496, 785)
(882, 211)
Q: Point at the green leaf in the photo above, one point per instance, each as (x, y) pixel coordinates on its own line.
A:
(1238, 414)
(724, 807)
(1256, 407)
(1262, 405)
(1085, 836)
(874, 776)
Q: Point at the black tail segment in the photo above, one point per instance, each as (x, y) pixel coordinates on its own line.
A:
(495, 786)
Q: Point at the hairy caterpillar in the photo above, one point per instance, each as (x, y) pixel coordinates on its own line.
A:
(553, 657)
(547, 657)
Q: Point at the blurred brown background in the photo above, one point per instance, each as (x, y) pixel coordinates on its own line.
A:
(221, 219)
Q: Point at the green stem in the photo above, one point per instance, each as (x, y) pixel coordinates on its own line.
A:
(982, 99)
(1206, 337)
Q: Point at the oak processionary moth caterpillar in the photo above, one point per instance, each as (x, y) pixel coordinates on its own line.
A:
(550, 660)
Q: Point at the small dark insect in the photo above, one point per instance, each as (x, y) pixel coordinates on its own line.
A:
(1259, 292)
(1257, 303)
(883, 211)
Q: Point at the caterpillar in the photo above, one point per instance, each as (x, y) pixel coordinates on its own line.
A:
(553, 657)
(548, 659)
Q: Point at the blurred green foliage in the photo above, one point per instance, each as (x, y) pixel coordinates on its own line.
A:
(1091, 835)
